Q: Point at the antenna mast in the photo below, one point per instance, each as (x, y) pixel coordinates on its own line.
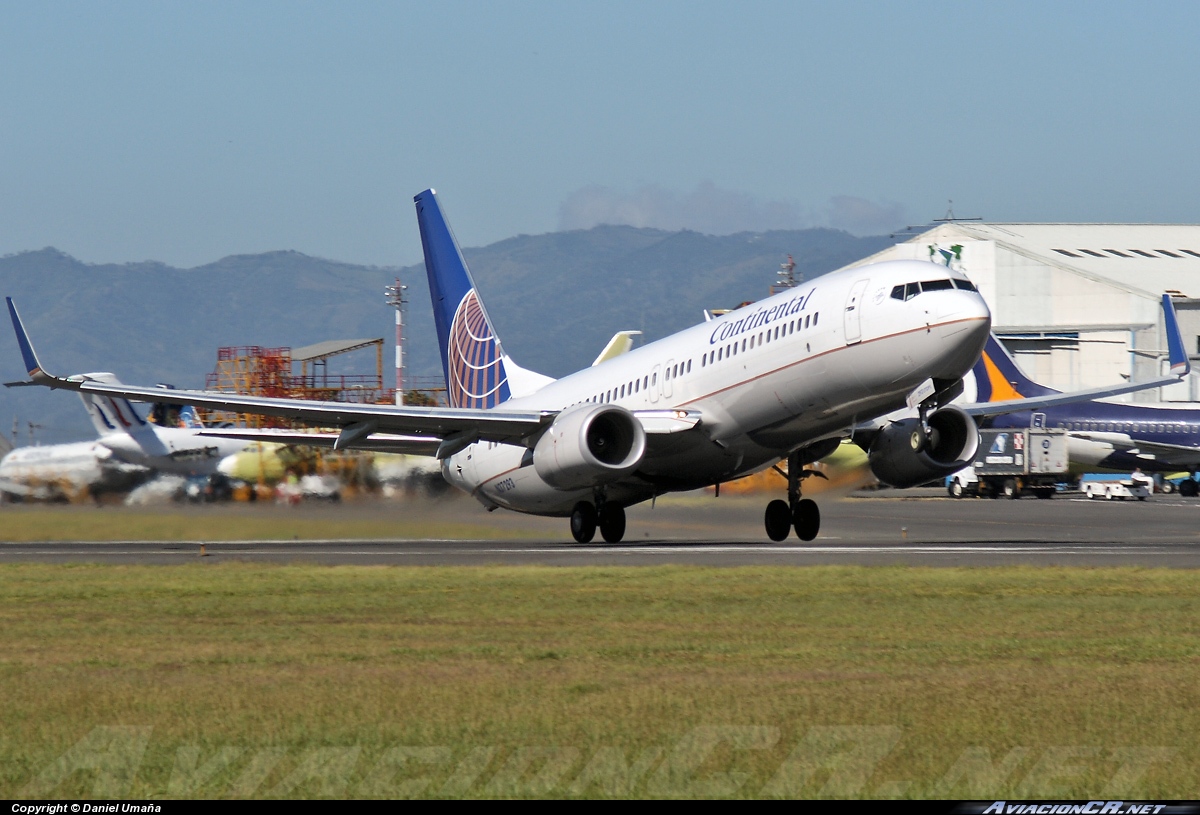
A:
(786, 278)
(397, 298)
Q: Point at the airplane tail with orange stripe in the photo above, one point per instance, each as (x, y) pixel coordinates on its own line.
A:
(999, 379)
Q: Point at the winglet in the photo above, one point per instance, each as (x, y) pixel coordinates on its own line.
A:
(32, 366)
(1180, 365)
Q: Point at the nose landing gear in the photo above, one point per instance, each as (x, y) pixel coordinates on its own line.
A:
(801, 514)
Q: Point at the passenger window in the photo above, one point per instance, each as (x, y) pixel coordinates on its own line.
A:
(816, 316)
(806, 318)
(689, 366)
(743, 345)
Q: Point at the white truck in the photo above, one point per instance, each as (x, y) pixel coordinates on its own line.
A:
(1012, 462)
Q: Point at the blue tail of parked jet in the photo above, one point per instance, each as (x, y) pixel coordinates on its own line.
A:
(998, 379)
(472, 358)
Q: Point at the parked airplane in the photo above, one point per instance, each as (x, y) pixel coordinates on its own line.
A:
(65, 472)
(784, 378)
(129, 450)
(1117, 436)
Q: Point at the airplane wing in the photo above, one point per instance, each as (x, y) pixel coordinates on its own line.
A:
(438, 431)
(1179, 454)
(378, 442)
(654, 422)
(1180, 367)
(452, 428)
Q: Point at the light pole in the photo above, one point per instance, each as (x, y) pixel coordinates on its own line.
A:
(397, 298)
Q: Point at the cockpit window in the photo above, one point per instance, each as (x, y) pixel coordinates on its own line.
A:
(911, 290)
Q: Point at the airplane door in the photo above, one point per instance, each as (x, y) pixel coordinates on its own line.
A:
(854, 312)
(654, 384)
(666, 381)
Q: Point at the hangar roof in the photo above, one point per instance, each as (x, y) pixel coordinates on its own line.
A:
(329, 348)
(1150, 258)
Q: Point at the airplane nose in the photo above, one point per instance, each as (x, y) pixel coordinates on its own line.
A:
(228, 466)
(961, 304)
(965, 325)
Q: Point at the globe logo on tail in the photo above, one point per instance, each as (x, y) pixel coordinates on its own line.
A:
(476, 370)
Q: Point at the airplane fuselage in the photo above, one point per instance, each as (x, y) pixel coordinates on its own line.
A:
(1121, 436)
(177, 451)
(767, 379)
(66, 471)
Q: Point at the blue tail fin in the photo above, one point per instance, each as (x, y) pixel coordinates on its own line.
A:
(471, 355)
(998, 379)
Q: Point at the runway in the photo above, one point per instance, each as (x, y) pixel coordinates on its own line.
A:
(889, 529)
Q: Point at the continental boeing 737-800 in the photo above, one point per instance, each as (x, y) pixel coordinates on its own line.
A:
(783, 379)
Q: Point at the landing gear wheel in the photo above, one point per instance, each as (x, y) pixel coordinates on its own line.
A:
(807, 519)
(583, 522)
(955, 489)
(778, 520)
(1010, 490)
(612, 523)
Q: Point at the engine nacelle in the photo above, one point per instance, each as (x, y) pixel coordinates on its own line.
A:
(589, 445)
(903, 456)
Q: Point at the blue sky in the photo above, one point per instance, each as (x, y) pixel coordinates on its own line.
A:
(184, 132)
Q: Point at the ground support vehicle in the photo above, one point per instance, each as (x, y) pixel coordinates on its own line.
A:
(1112, 487)
(1014, 462)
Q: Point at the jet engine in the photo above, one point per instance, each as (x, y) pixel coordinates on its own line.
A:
(904, 455)
(589, 445)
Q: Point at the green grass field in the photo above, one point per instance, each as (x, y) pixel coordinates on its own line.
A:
(234, 679)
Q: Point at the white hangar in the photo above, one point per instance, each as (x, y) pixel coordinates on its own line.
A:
(1078, 304)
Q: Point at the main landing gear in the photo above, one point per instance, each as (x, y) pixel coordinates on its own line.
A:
(802, 514)
(609, 517)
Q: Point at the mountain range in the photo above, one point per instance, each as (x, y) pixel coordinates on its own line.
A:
(555, 300)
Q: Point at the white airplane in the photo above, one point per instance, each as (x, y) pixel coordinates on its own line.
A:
(783, 379)
(129, 450)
